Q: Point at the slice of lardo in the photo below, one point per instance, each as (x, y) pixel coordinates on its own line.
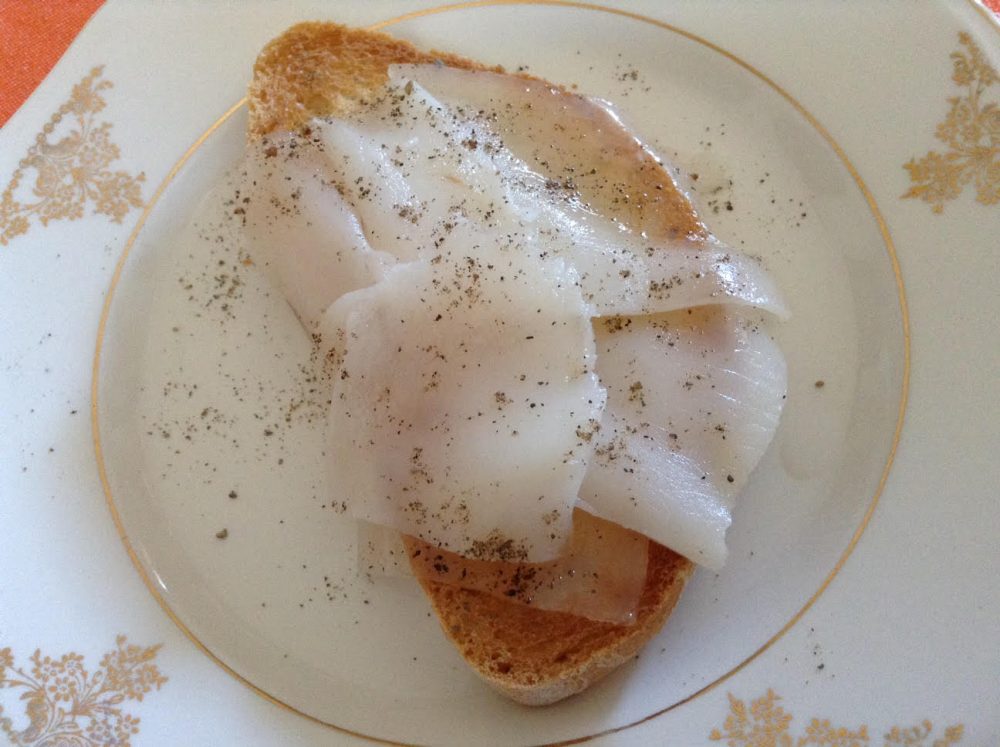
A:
(588, 156)
(524, 132)
(711, 377)
(409, 169)
(299, 229)
(600, 574)
(420, 175)
(462, 411)
(694, 399)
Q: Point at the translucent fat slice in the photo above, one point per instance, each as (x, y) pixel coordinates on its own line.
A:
(381, 552)
(711, 376)
(600, 575)
(578, 143)
(420, 198)
(300, 230)
(527, 151)
(687, 274)
(637, 481)
(464, 403)
(621, 276)
(413, 172)
(375, 189)
(694, 399)
(621, 273)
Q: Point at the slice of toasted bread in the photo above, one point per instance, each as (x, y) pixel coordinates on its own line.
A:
(533, 656)
(537, 657)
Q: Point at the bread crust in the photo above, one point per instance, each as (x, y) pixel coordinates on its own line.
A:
(318, 69)
(533, 656)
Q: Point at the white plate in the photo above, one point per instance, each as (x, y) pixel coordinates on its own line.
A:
(201, 391)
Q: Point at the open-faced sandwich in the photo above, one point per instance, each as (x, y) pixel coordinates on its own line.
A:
(549, 381)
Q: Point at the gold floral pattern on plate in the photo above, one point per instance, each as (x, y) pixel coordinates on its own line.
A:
(71, 171)
(67, 706)
(971, 130)
(764, 723)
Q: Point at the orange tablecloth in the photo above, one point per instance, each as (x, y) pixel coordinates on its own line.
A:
(36, 33)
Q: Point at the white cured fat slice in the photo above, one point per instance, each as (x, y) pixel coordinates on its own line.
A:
(694, 399)
(463, 407)
(300, 230)
(381, 552)
(713, 377)
(600, 574)
(590, 161)
(411, 170)
(511, 151)
(620, 275)
(329, 210)
(636, 480)
(687, 274)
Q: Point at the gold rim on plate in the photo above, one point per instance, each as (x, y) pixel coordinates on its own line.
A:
(824, 133)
